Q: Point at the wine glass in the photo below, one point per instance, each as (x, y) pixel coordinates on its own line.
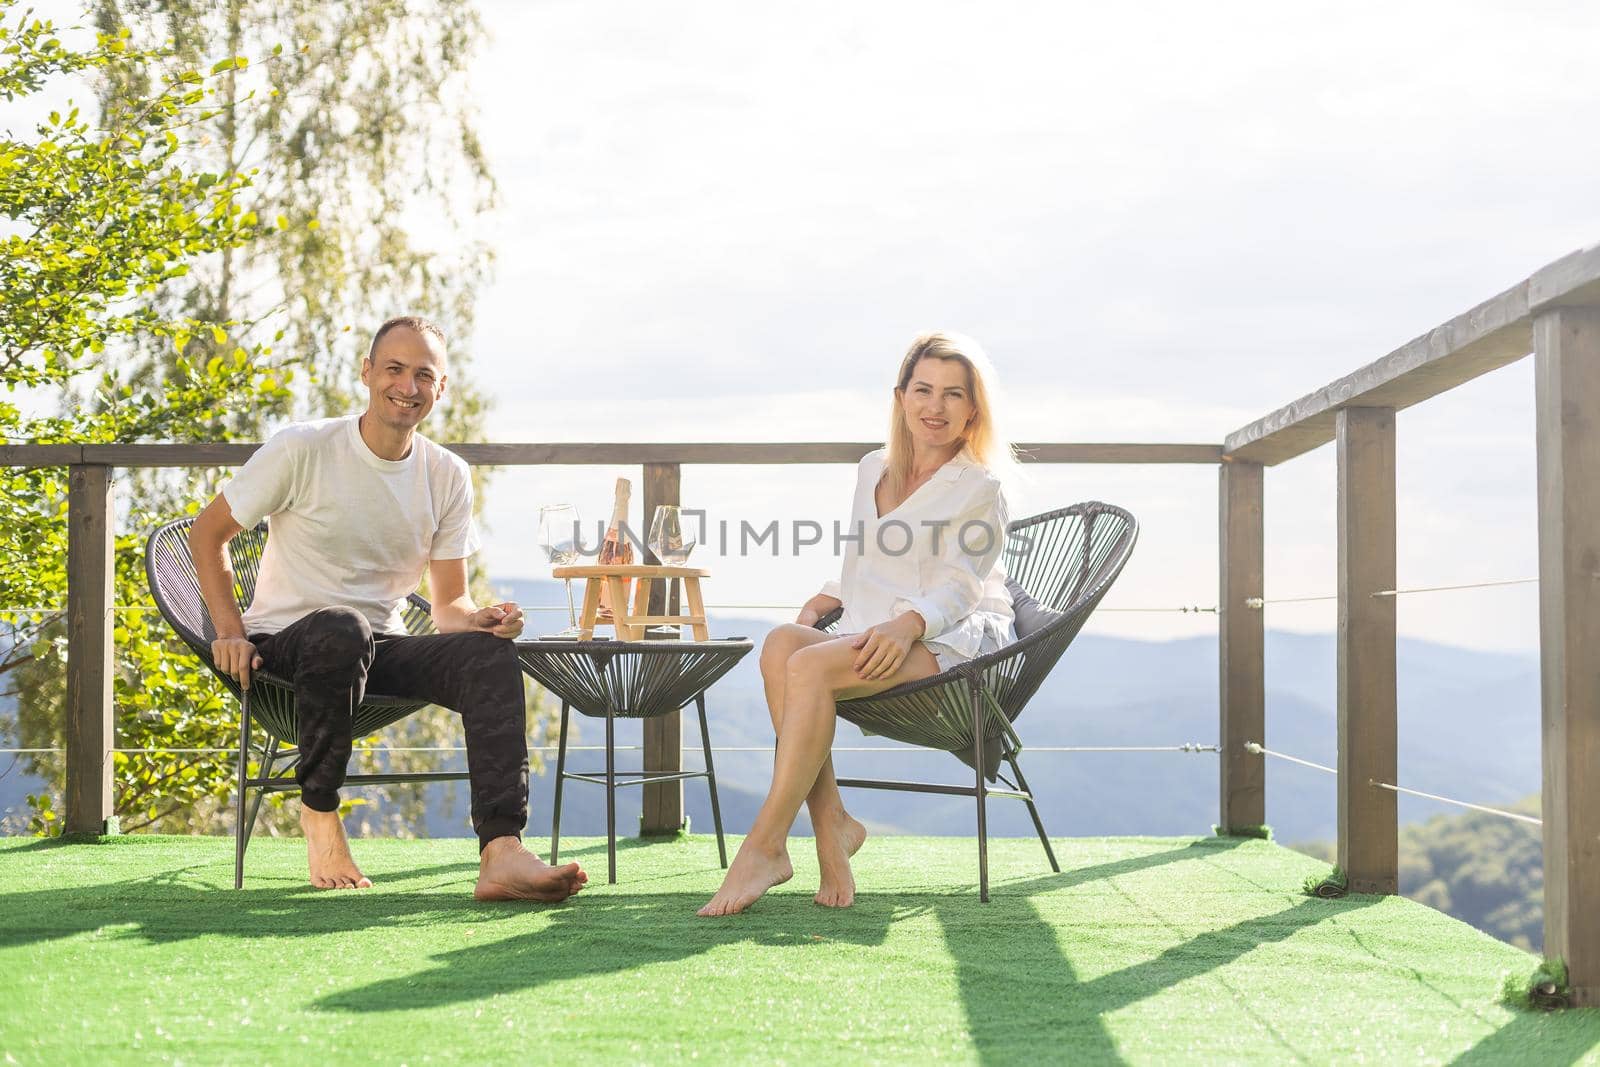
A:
(667, 538)
(558, 537)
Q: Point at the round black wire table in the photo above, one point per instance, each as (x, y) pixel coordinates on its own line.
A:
(614, 680)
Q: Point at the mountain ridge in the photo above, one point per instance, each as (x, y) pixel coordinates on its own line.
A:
(1468, 727)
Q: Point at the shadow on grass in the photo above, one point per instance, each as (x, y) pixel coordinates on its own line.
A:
(1016, 983)
(1004, 953)
(1534, 1037)
(184, 902)
(613, 934)
(44, 844)
(163, 911)
(191, 901)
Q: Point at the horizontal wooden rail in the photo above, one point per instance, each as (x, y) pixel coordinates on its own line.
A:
(1496, 332)
(89, 797)
(1554, 315)
(514, 454)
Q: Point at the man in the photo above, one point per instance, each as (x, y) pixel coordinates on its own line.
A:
(358, 506)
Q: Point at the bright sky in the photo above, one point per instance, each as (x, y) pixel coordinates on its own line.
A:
(724, 221)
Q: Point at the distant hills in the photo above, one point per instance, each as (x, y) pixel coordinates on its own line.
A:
(1469, 728)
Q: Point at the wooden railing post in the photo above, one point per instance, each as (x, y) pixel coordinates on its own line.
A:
(89, 726)
(1242, 673)
(1567, 406)
(663, 735)
(1369, 828)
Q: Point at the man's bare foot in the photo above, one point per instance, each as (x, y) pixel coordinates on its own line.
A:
(838, 838)
(753, 872)
(507, 871)
(328, 850)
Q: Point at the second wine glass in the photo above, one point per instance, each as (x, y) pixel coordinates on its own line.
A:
(668, 539)
(558, 537)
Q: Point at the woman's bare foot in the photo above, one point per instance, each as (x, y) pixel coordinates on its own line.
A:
(838, 838)
(507, 871)
(328, 852)
(754, 871)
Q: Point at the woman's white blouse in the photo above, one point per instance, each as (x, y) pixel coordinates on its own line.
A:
(937, 553)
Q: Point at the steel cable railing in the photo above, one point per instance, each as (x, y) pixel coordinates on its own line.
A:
(1257, 603)
(1261, 602)
(1259, 750)
(1182, 609)
(1188, 746)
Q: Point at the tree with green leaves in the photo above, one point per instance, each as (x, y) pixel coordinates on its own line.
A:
(357, 131)
(364, 159)
(100, 219)
(348, 130)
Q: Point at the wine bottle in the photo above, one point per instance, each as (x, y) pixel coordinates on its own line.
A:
(617, 549)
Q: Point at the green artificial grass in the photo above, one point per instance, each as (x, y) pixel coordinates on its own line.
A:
(1546, 989)
(1329, 886)
(137, 950)
(1261, 830)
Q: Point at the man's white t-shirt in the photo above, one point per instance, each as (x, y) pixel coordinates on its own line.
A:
(348, 528)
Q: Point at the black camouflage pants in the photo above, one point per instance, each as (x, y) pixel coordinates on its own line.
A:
(333, 658)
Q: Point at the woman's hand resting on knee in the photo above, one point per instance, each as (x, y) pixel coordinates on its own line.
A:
(884, 647)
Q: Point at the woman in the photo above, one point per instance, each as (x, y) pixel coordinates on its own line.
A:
(921, 590)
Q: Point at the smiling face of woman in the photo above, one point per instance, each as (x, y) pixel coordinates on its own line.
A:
(937, 403)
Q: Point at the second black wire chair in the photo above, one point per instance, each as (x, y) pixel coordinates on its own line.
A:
(1061, 564)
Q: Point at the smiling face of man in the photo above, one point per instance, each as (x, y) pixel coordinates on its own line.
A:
(404, 376)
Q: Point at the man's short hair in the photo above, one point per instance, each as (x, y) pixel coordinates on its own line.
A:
(410, 322)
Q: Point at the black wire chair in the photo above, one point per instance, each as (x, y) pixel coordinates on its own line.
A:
(269, 702)
(613, 680)
(1060, 564)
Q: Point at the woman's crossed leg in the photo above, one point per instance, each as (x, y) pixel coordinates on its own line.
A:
(838, 835)
(805, 673)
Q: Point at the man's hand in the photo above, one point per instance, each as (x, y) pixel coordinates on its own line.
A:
(884, 647)
(502, 620)
(237, 657)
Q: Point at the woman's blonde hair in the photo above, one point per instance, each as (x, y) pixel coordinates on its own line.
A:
(982, 441)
